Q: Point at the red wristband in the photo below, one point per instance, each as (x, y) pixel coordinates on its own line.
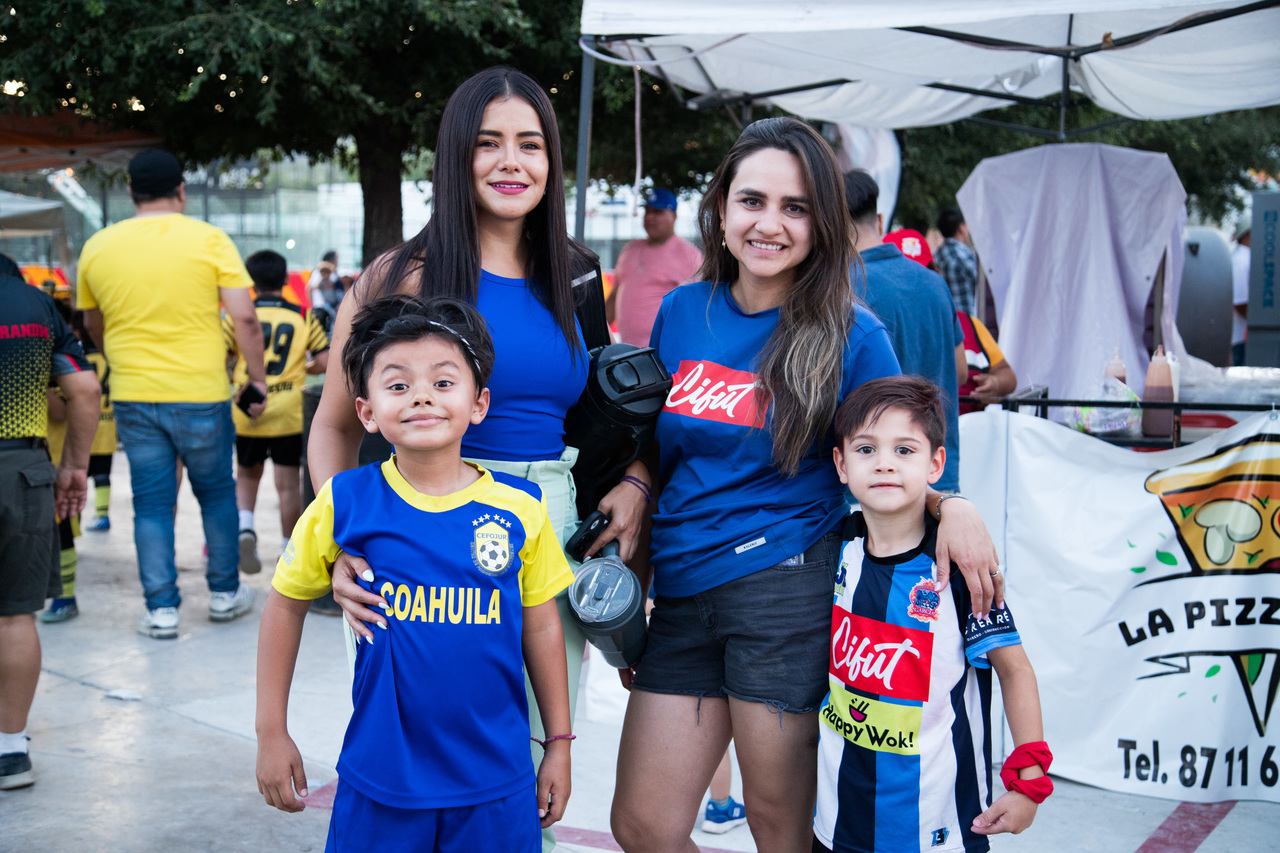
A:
(1028, 755)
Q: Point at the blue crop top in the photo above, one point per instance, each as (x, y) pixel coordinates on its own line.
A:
(535, 379)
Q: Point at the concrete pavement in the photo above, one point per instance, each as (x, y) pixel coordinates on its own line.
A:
(148, 745)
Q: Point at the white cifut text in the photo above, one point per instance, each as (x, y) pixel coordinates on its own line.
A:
(694, 390)
(870, 663)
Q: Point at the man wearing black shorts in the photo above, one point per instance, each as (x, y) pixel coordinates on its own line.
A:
(289, 336)
(36, 346)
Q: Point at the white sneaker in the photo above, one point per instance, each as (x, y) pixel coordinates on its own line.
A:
(249, 562)
(225, 606)
(160, 623)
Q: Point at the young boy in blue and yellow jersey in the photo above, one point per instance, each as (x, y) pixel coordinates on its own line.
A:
(904, 752)
(436, 752)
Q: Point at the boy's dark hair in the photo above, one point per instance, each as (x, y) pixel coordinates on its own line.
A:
(331, 256)
(949, 221)
(860, 195)
(401, 318)
(915, 395)
(268, 269)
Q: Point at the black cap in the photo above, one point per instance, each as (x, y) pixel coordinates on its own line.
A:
(154, 173)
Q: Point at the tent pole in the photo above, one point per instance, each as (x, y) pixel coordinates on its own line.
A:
(1066, 84)
(583, 175)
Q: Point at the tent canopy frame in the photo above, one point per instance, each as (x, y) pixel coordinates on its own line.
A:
(719, 97)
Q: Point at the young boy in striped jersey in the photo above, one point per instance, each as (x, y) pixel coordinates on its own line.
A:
(436, 755)
(905, 745)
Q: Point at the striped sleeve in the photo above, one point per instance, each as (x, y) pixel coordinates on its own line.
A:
(317, 340)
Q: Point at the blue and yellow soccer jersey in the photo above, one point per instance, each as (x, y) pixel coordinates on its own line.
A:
(904, 755)
(287, 336)
(440, 715)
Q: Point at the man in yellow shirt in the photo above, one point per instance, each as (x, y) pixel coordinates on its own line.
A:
(150, 287)
(295, 344)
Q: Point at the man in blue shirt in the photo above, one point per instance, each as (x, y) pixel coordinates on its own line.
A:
(915, 307)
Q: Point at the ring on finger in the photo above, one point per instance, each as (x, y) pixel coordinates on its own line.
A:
(999, 568)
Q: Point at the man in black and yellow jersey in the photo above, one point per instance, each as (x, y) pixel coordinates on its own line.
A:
(294, 344)
(36, 346)
(151, 287)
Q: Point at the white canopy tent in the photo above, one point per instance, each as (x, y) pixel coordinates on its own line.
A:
(886, 63)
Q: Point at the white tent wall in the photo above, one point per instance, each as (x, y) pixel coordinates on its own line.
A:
(1071, 237)
(26, 216)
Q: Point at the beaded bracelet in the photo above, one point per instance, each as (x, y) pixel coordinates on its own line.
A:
(543, 743)
(639, 484)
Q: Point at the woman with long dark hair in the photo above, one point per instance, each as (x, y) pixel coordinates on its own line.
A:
(497, 240)
(742, 547)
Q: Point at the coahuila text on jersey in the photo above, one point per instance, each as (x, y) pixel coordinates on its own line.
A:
(454, 604)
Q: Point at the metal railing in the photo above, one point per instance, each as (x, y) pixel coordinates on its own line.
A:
(1037, 396)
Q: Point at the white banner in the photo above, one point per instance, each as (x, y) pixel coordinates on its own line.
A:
(1146, 587)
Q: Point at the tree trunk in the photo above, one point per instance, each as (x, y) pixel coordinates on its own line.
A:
(380, 150)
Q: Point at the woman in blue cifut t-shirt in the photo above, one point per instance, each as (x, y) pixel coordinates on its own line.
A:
(742, 545)
(496, 239)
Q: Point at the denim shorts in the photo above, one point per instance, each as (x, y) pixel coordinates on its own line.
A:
(760, 638)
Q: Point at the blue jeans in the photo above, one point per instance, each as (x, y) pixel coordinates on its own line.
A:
(155, 435)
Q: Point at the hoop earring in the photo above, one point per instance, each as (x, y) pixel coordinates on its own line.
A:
(723, 244)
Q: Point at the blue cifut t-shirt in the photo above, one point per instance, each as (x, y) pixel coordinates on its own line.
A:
(724, 510)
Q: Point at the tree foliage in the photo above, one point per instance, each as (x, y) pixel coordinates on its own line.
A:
(225, 80)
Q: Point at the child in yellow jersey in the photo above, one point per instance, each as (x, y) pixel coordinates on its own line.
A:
(294, 345)
(437, 746)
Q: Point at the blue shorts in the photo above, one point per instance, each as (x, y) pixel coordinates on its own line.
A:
(763, 638)
(360, 824)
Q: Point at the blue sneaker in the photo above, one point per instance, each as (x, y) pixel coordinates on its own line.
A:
(102, 523)
(60, 610)
(720, 820)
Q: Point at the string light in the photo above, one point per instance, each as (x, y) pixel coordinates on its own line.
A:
(554, 90)
(199, 69)
(179, 51)
(222, 77)
(264, 78)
